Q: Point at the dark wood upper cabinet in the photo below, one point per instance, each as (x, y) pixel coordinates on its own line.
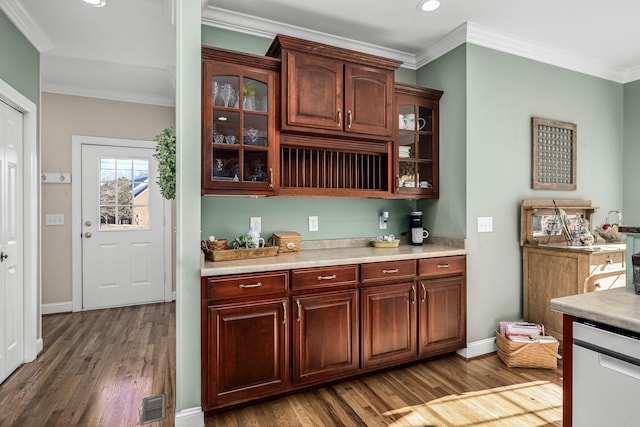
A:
(333, 91)
(417, 143)
(239, 128)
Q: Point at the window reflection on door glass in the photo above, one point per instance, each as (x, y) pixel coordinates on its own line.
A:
(124, 194)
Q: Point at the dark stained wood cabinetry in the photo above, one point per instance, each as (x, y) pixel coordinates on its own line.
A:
(310, 119)
(325, 336)
(325, 323)
(330, 90)
(239, 130)
(268, 333)
(388, 324)
(245, 338)
(389, 313)
(417, 145)
(443, 307)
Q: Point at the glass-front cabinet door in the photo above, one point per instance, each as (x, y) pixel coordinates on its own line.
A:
(417, 142)
(238, 152)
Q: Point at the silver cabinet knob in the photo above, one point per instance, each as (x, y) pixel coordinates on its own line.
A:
(87, 234)
(87, 223)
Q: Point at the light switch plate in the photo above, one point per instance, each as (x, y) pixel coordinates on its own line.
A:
(485, 224)
(313, 223)
(54, 219)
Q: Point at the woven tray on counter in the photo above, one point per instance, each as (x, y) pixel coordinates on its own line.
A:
(527, 354)
(233, 254)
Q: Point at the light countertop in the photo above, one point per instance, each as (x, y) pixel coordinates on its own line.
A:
(326, 257)
(619, 307)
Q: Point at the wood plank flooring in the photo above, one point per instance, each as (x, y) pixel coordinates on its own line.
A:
(95, 369)
(98, 366)
(449, 391)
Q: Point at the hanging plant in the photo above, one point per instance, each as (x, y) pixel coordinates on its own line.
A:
(166, 156)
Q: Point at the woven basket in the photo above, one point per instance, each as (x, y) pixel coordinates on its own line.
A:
(527, 354)
(215, 245)
(286, 241)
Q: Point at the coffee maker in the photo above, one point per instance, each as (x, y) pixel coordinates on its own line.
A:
(418, 234)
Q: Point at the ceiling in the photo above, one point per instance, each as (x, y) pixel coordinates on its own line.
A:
(126, 50)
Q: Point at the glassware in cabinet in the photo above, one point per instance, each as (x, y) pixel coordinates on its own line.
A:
(238, 148)
(417, 163)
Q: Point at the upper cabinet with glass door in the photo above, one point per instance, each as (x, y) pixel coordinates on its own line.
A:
(416, 167)
(238, 123)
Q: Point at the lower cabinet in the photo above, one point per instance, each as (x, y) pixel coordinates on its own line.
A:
(262, 337)
(325, 336)
(442, 315)
(249, 342)
(388, 324)
(443, 305)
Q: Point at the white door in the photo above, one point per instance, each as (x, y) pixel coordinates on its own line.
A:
(122, 227)
(11, 274)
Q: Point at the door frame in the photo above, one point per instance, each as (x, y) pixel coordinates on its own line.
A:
(76, 214)
(32, 328)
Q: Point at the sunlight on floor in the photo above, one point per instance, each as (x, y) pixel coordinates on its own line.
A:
(536, 403)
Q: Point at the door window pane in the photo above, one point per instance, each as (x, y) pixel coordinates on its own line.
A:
(124, 194)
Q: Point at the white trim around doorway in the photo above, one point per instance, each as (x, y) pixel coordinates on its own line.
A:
(31, 202)
(76, 215)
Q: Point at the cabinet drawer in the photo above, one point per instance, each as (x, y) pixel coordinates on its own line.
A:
(386, 271)
(442, 266)
(311, 278)
(246, 285)
(606, 261)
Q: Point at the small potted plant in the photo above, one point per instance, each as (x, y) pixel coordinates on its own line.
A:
(166, 156)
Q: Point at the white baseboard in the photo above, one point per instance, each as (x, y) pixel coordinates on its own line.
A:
(173, 296)
(57, 307)
(478, 348)
(192, 417)
(39, 345)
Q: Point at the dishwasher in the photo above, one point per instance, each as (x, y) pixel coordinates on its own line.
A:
(606, 376)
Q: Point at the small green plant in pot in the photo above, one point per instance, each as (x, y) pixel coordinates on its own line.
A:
(166, 156)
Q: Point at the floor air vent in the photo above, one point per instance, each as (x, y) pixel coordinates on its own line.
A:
(153, 409)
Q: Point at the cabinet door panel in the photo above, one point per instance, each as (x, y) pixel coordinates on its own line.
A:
(325, 336)
(314, 92)
(442, 315)
(247, 354)
(388, 324)
(368, 100)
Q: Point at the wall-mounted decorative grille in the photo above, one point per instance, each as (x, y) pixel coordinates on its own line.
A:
(553, 154)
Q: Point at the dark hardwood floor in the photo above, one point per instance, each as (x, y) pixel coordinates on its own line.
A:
(97, 367)
(95, 370)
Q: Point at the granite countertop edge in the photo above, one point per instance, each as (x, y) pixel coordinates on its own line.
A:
(619, 307)
(325, 257)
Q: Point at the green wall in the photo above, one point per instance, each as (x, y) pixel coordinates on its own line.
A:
(446, 217)
(20, 66)
(490, 112)
(631, 181)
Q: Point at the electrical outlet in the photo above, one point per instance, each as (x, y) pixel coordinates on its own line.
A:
(256, 222)
(313, 223)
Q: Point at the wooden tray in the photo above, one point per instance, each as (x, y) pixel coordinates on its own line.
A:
(232, 254)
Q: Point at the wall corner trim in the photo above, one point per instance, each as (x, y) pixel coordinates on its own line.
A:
(478, 348)
(192, 417)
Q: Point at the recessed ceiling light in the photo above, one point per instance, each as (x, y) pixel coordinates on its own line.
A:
(96, 3)
(427, 5)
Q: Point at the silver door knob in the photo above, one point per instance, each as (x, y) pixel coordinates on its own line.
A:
(87, 234)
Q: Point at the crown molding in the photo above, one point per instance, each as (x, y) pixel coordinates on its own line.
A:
(479, 35)
(26, 25)
(222, 18)
(110, 95)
